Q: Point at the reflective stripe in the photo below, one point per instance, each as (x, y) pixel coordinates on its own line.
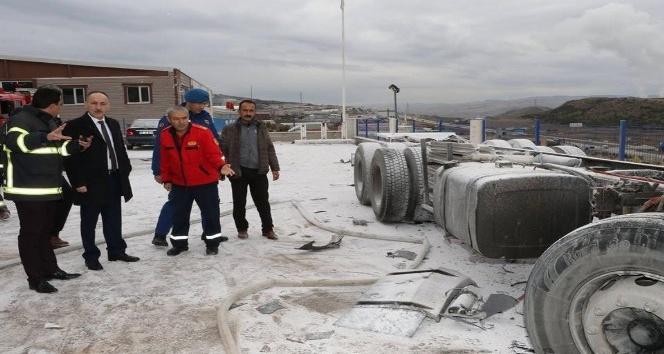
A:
(212, 237)
(33, 191)
(179, 237)
(17, 129)
(20, 141)
(63, 148)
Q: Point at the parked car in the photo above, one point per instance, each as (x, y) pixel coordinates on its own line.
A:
(141, 133)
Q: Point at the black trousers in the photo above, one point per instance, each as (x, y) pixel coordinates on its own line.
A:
(207, 199)
(63, 208)
(111, 218)
(36, 219)
(258, 187)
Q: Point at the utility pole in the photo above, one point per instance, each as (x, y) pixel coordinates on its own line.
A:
(251, 92)
(300, 97)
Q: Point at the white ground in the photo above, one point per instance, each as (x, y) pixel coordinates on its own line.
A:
(168, 304)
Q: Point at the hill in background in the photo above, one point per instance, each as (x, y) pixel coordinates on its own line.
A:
(602, 111)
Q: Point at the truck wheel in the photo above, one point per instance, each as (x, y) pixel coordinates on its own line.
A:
(600, 289)
(390, 185)
(569, 150)
(361, 171)
(414, 212)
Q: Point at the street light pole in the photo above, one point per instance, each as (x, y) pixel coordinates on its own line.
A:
(396, 90)
(344, 122)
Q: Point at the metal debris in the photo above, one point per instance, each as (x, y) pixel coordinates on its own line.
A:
(235, 305)
(403, 254)
(335, 242)
(498, 303)
(318, 335)
(49, 325)
(270, 307)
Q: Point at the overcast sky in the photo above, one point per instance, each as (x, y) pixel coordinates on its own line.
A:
(436, 51)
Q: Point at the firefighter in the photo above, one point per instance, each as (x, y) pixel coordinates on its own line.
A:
(190, 166)
(4, 211)
(34, 150)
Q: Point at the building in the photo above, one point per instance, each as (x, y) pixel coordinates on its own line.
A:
(134, 91)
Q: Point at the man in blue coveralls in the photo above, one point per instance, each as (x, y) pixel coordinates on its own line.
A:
(195, 100)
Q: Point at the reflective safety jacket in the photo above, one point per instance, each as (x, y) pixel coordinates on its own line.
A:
(193, 159)
(34, 164)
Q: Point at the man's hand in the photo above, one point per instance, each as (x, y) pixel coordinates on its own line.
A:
(275, 175)
(56, 134)
(84, 142)
(82, 189)
(168, 186)
(157, 179)
(227, 170)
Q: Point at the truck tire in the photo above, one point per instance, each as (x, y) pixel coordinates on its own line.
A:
(569, 150)
(522, 144)
(390, 185)
(414, 211)
(599, 289)
(542, 148)
(497, 143)
(362, 171)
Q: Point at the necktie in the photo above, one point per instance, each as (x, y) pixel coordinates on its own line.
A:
(109, 145)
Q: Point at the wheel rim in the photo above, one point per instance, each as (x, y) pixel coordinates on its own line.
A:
(619, 312)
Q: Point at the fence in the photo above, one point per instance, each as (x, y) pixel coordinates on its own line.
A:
(370, 127)
(636, 144)
(621, 142)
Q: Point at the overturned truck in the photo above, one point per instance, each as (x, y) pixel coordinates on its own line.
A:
(594, 225)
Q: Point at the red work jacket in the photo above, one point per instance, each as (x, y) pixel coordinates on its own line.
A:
(193, 159)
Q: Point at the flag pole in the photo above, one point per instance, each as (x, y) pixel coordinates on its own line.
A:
(344, 121)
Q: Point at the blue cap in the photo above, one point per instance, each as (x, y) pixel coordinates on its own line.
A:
(197, 96)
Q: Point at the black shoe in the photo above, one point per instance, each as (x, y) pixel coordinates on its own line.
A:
(42, 286)
(93, 265)
(62, 275)
(223, 239)
(210, 251)
(123, 257)
(159, 241)
(176, 250)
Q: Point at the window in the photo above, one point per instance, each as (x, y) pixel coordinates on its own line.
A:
(73, 95)
(137, 94)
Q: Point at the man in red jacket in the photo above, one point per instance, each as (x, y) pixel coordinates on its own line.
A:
(191, 164)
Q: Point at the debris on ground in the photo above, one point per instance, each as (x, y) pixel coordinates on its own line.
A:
(318, 335)
(236, 305)
(498, 303)
(403, 254)
(360, 222)
(335, 242)
(270, 307)
(49, 325)
(520, 348)
(265, 349)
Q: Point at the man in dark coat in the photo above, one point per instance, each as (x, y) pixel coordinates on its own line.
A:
(34, 150)
(247, 146)
(100, 177)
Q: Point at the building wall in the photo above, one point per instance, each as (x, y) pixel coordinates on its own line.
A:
(161, 92)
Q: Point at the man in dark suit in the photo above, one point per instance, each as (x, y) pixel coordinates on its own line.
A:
(100, 177)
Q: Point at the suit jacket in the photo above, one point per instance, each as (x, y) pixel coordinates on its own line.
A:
(90, 168)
